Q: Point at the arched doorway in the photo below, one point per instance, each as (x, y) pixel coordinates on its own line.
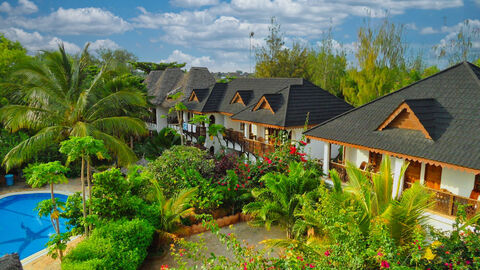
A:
(212, 119)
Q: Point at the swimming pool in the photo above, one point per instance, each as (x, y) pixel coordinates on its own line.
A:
(21, 230)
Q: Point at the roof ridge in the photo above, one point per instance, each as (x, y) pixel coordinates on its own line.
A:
(384, 96)
(470, 68)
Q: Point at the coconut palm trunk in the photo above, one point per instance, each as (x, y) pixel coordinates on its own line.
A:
(89, 173)
(55, 217)
(82, 179)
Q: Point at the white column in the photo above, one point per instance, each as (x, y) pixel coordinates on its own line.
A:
(397, 181)
(245, 131)
(327, 147)
(422, 173)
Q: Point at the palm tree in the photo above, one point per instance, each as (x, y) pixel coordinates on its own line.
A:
(171, 210)
(60, 100)
(278, 202)
(373, 196)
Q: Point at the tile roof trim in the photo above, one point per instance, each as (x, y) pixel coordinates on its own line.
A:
(394, 92)
(399, 155)
(263, 100)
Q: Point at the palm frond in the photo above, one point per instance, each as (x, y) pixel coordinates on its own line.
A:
(30, 147)
(121, 126)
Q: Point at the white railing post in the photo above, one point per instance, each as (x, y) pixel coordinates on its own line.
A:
(327, 149)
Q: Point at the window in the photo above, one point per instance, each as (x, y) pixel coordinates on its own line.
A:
(212, 119)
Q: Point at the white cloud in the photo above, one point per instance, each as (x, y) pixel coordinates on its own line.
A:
(428, 30)
(103, 43)
(23, 7)
(472, 29)
(77, 21)
(35, 42)
(192, 61)
(411, 26)
(193, 3)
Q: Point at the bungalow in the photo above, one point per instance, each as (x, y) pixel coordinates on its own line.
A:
(254, 109)
(433, 124)
(161, 84)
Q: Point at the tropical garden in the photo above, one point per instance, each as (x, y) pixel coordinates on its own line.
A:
(65, 116)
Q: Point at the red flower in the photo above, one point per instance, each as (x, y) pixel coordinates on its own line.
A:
(293, 149)
(379, 254)
(269, 161)
(303, 159)
(303, 143)
(327, 253)
(385, 264)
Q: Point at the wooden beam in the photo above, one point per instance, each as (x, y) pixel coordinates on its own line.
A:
(413, 121)
(263, 104)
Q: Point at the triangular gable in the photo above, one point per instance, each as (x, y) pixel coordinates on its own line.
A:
(237, 99)
(263, 104)
(404, 117)
(193, 97)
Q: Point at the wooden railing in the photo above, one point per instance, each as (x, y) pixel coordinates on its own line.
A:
(258, 148)
(195, 131)
(234, 137)
(341, 170)
(447, 203)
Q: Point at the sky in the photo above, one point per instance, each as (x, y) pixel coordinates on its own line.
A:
(216, 33)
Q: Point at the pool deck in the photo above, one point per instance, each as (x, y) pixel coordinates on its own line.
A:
(46, 262)
(72, 186)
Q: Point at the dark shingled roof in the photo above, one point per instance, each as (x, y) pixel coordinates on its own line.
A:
(201, 93)
(246, 95)
(161, 84)
(258, 88)
(292, 104)
(451, 98)
(212, 97)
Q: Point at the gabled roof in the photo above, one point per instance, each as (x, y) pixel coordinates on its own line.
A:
(257, 87)
(447, 105)
(415, 114)
(198, 94)
(211, 98)
(292, 104)
(242, 96)
(161, 84)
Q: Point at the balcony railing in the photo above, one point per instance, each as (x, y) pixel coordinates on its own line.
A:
(248, 145)
(258, 148)
(151, 126)
(194, 131)
(447, 203)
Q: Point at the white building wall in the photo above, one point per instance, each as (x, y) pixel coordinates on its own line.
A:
(161, 115)
(458, 182)
(356, 156)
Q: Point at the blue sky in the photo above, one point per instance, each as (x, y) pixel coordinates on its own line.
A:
(215, 33)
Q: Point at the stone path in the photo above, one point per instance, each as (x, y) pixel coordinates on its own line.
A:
(252, 235)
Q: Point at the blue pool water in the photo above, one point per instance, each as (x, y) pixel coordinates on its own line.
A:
(21, 230)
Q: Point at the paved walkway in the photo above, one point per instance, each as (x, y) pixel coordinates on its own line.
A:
(73, 185)
(252, 235)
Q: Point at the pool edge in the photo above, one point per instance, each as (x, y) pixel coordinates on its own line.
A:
(44, 251)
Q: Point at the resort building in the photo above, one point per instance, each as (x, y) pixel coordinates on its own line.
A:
(254, 110)
(432, 124)
(162, 84)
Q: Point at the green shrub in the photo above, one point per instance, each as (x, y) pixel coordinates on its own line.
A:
(115, 245)
(115, 197)
(164, 169)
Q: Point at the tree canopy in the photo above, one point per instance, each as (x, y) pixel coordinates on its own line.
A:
(149, 66)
